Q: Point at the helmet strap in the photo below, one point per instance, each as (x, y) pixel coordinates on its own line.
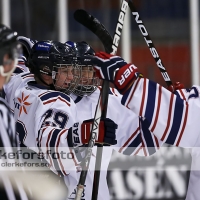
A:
(40, 78)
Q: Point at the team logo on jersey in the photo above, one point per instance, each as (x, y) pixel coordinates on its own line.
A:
(23, 104)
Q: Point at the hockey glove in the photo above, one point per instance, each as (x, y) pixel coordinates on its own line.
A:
(79, 133)
(116, 70)
(176, 86)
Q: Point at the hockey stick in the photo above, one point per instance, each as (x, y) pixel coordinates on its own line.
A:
(99, 30)
(96, 27)
(150, 44)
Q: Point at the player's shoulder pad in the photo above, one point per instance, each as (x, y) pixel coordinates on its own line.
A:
(52, 96)
(21, 67)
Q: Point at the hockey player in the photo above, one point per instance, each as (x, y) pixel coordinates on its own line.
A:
(44, 114)
(9, 50)
(87, 93)
(128, 135)
(132, 136)
(194, 179)
(171, 118)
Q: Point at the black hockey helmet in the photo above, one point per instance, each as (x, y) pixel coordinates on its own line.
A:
(46, 57)
(88, 81)
(8, 46)
(8, 43)
(45, 54)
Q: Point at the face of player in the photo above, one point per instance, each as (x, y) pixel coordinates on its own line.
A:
(87, 74)
(64, 77)
(7, 69)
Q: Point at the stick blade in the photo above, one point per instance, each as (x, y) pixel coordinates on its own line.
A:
(85, 19)
(93, 24)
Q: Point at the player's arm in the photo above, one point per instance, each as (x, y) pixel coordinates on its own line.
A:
(133, 136)
(140, 142)
(172, 119)
(56, 136)
(26, 44)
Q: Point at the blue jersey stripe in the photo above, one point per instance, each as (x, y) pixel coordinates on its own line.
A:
(177, 94)
(125, 96)
(18, 70)
(178, 112)
(133, 145)
(150, 101)
(78, 99)
(54, 155)
(28, 73)
(53, 94)
(147, 137)
(110, 92)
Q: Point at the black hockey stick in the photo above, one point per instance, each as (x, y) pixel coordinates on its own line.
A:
(150, 44)
(100, 31)
(96, 27)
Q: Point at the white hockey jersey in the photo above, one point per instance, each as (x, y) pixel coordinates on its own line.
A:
(173, 118)
(42, 119)
(132, 139)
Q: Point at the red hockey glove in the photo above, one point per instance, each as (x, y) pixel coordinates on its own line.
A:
(116, 70)
(79, 133)
(176, 86)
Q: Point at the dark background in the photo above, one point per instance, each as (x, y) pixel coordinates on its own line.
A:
(167, 23)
